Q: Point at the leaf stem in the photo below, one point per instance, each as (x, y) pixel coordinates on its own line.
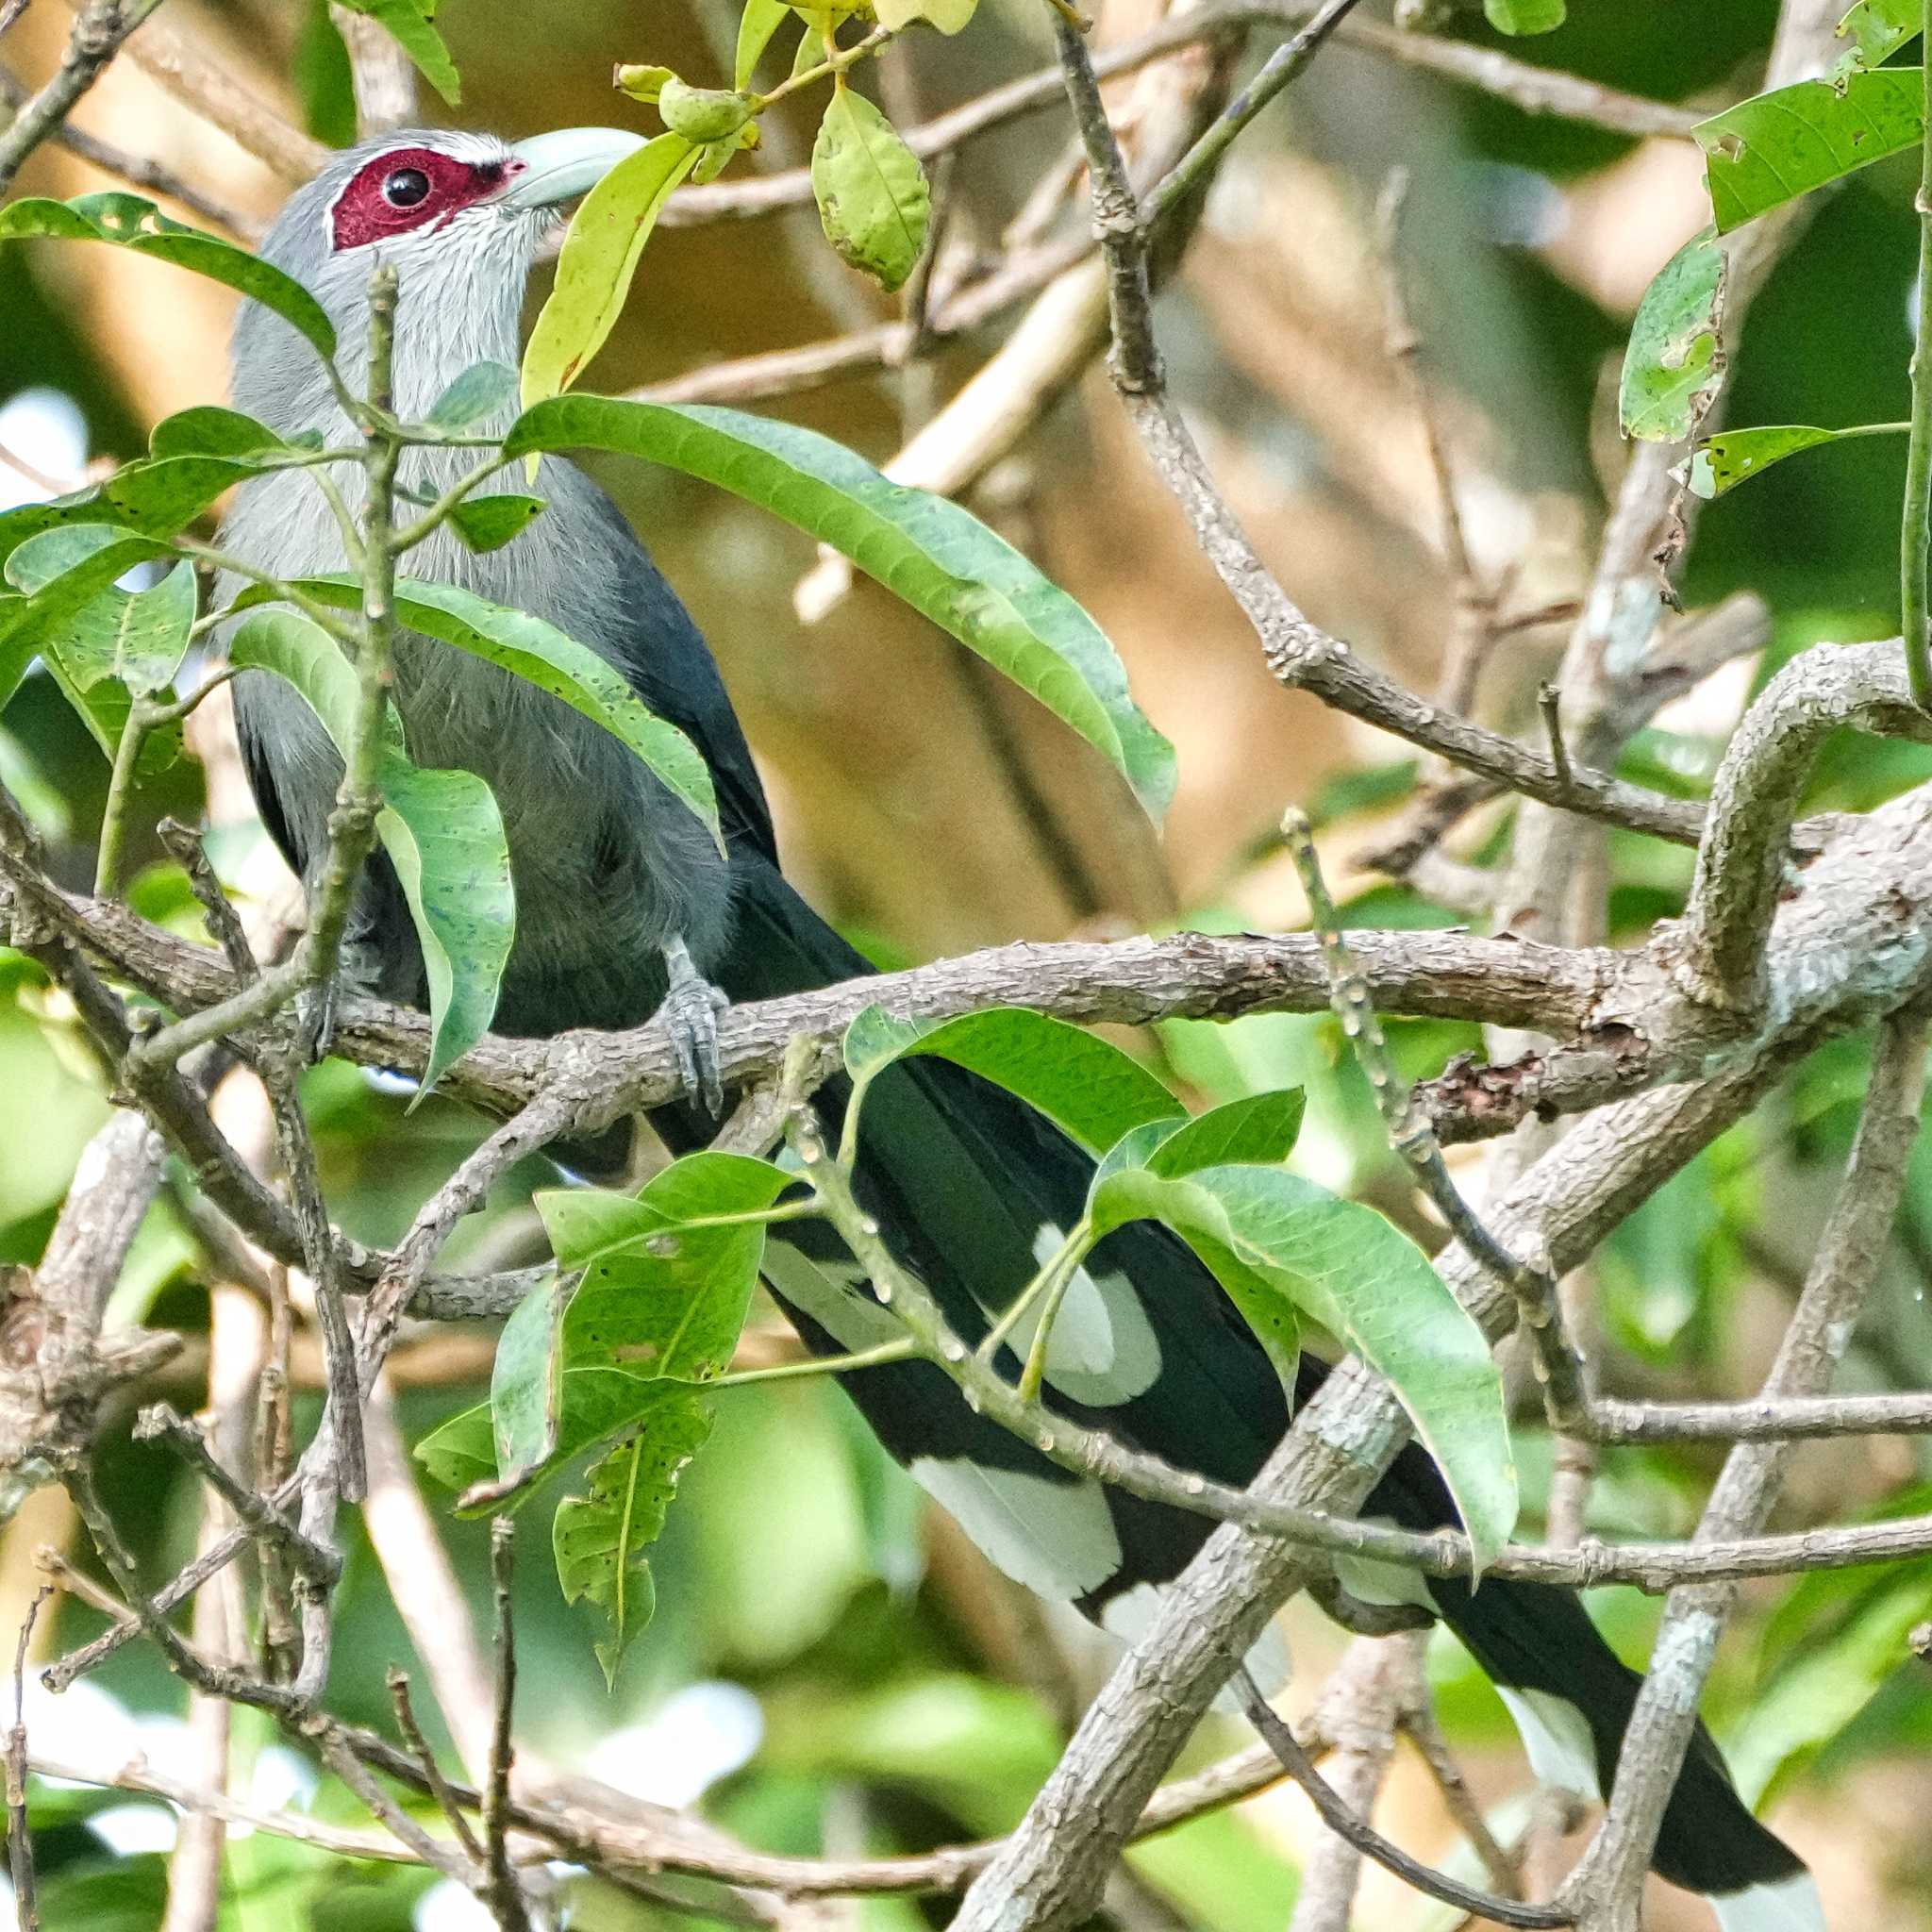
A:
(134, 731)
(1912, 535)
(1060, 1271)
(835, 63)
(898, 1351)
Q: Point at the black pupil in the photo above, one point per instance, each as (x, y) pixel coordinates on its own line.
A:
(406, 188)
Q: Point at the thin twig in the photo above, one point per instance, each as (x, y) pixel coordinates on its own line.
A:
(99, 28)
(19, 1843)
(506, 1898)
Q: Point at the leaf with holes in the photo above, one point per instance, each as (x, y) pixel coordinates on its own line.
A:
(138, 226)
(1083, 1083)
(925, 549)
(1675, 363)
(1272, 1238)
(1722, 462)
(600, 257)
(599, 1538)
(874, 202)
(1875, 30)
(1776, 146)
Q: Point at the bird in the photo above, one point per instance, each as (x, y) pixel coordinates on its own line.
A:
(626, 908)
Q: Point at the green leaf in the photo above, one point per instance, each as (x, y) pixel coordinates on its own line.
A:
(663, 1289)
(407, 23)
(462, 1452)
(809, 53)
(759, 21)
(1876, 29)
(949, 16)
(1259, 1131)
(323, 79)
(1078, 1080)
(925, 549)
(1736, 456)
(599, 1538)
(157, 499)
(483, 392)
(1675, 363)
(442, 829)
(443, 833)
(488, 523)
(642, 83)
(141, 228)
(600, 256)
(543, 655)
(137, 637)
(208, 431)
(1270, 1237)
(525, 1382)
(1776, 146)
(1524, 16)
(874, 202)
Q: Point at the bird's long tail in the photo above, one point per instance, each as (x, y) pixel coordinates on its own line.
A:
(974, 1188)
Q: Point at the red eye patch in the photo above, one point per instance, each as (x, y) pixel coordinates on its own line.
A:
(407, 189)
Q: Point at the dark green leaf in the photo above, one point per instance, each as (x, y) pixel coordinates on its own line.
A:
(925, 549)
(1271, 1237)
(599, 1538)
(1259, 1131)
(136, 636)
(1675, 363)
(1737, 455)
(208, 431)
(482, 394)
(407, 23)
(157, 499)
(872, 192)
(138, 225)
(1087, 1086)
(1775, 146)
(600, 256)
(488, 523)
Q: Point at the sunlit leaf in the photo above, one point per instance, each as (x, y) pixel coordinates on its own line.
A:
(1875, 30)
(1737, 455)
(1524, 16)
(600, 256)
(488, 523)
(408, 23)
(759, 21)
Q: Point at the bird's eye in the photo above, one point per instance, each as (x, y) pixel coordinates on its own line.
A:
(406, 187)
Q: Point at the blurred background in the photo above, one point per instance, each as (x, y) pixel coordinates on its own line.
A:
(831, 1667)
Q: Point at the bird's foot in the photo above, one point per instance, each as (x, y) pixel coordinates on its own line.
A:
(690, 1012)
(1366, 1619)
(316, 1012)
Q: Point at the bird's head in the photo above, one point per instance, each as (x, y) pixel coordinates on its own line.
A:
(458, 216)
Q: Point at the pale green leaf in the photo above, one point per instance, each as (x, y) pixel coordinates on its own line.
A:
(1875, 30)
(874, 202)
(1675, 363)
(484, 393)
(600, 256)
(1737, 455)
(759, 21)
(1524, 16)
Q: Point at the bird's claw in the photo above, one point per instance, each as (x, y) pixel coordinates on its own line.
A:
(690, 1012)
(316, 1010)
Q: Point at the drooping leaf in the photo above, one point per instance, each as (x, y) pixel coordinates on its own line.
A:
(599, 1538)
(442, 829)
(1084, 1083)
(1524, 16)
(408, 23)
(483, 392)
(1270, 1236)
(1675, 364)
(925, 549)
(1723, 462)
(759, 21)
(462, 1452)
(1776, 146)
(445, 835)
(543, 656)
(600, 256)
(139, 227)
(1875, 30)
(525, 1382)
(664, 1283)
(488, 523)
(324, 81)
(874, 202)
